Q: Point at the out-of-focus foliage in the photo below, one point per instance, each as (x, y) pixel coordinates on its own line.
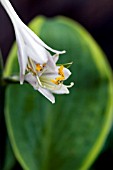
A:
(105, 158)
(1, 67)
(1, 110)
(70, 133)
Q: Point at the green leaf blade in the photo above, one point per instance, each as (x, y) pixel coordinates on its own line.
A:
(9, 160)
(70, 133)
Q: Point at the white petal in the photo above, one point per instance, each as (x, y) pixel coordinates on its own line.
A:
(61, 89)
(33, 81)
(10, 10)
(50, 64)
(22, 57)
(52, 74)
(38, 40)
(49, 75)
(55, 57)
(66, 71)
(47, 94)
(39, 52)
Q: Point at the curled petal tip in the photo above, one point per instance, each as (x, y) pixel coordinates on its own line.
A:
(71, 84)
(63, 52)
(53, 102)
(67, 92)
(21, 83)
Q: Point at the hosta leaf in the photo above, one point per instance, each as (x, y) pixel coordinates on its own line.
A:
(70, 133)
(2, 128)
(10, 160)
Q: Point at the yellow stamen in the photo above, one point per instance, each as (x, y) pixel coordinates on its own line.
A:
(60, 71)
(58, 80)
(38, 67)
(31, 70)
(44, 65)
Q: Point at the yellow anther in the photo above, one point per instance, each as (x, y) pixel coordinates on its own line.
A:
(58, 80)
(60, 71)
(31, 70)
(38, 67)
(44, 65)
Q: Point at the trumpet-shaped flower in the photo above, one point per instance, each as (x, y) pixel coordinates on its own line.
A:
(47, 80)
(37, 65)
(29, 44)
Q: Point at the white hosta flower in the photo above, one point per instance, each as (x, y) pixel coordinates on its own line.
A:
(37, 66)
(47, 80)
(30, 46)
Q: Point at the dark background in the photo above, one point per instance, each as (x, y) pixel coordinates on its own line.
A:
(95, 15)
